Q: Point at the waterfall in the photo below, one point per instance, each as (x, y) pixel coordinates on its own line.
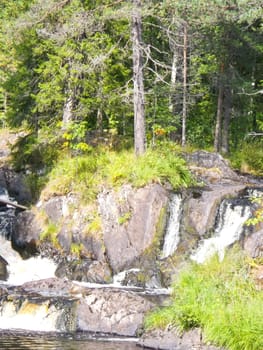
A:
(38, 315)
(172, 237)
(231, 218)
(19, 270)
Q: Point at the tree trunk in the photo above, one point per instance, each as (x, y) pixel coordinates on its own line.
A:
(139, 113)
(99, 122)
(173, 81)
(184, 112)
(227, 108)
(67, 112)
(217, 141)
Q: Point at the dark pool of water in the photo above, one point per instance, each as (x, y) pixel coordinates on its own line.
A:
(20, 341)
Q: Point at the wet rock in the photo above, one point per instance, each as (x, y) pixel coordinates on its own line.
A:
(3, 269)
(139, 278)
(26, 234)
(48, 286)
(173, 340)
(3, 291)
(17, 186)
(84, 270)
(99, 272)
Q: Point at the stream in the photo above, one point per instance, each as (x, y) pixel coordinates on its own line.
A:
(21, 341)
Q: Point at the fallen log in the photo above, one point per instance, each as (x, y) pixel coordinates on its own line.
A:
(12, 204)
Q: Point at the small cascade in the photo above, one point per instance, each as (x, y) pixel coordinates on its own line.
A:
(172, 237)
(21, 271)
(38, 314)
(119, 279)
(232, 215)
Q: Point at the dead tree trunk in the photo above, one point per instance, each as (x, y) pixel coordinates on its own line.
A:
(184, 112)
(217, 141)
(138, 85)
(227, 108)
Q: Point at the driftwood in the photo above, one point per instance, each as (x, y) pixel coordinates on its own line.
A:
(13, 204)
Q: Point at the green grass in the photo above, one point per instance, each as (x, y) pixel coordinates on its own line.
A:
(87, 174)
(249, 158)
(221, 298)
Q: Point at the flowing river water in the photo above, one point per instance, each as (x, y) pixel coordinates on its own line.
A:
(18, 341)
(37, 268)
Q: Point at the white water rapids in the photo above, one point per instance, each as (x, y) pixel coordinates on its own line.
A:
(172, 236)
(230, 226)
(20, 270)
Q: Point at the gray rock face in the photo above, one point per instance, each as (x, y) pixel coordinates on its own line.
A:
(112, 311)
(200, 211)
(173, 340)
(85, 271)
(3, 269)
(130, 219)
(130, 223)
(26, 233)
(253, 244)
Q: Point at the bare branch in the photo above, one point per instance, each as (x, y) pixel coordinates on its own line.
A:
(251, 94)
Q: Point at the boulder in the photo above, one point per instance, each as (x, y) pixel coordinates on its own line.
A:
(26, 234)
(210, 167)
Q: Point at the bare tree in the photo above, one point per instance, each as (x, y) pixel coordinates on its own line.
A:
(139, 112)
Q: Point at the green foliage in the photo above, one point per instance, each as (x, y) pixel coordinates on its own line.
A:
(161, 166)
(34, 152)
(219, 297)
(76, 175)
(249, 158)
(257, 217)
(74, 137)
(87, 173)
(76, 249)
(94, 226)
(50, 234)
(124, 218)
(79, 51)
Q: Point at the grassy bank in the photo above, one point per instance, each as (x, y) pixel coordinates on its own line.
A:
(88, 174)
(221, 298)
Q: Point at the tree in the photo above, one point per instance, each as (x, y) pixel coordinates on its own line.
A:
(139, 116)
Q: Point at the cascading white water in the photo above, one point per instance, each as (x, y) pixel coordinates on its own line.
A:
(30, 316)
(120, 277)
(19, 270)
(230, 226)
(172, 237)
